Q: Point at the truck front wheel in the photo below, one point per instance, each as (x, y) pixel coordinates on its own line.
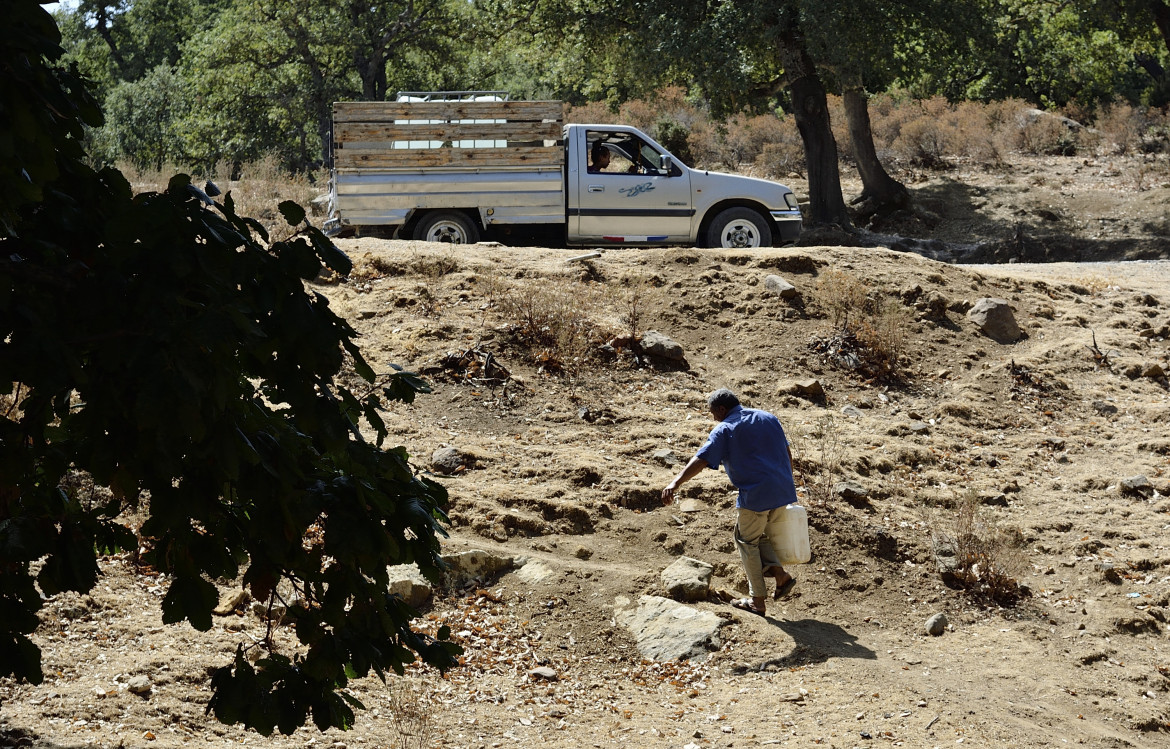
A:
(739, 227)
(447, 226)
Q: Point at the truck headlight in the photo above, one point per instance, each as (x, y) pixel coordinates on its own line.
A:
(790, 199)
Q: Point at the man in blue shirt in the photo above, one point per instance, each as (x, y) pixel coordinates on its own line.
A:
(752, 446)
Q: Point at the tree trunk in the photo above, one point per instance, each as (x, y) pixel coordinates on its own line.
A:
(1161, 12)
(811, 109)
(880, 192)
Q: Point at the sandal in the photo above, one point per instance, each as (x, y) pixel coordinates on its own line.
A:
(785, 589)
(746, 604)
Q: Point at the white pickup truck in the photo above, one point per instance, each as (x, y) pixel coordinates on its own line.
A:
(453, 171)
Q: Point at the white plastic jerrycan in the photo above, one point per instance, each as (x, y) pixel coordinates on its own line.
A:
(793, 541)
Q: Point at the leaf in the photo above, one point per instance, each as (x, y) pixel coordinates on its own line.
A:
(190, 598)
(21, 658)
(334, 259)
(293, 213)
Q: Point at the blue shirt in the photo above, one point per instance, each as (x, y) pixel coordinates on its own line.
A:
(751, 445)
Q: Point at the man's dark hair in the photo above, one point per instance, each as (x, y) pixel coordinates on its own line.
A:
(723, 398)
(595, 152)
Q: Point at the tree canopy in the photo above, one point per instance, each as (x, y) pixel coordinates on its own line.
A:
(162, 359)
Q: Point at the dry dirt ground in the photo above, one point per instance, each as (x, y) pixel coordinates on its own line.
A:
(561, 468)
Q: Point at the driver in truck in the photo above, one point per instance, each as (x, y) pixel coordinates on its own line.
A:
(598, 157)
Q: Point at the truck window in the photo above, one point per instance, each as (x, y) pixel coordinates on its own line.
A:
(621, 153)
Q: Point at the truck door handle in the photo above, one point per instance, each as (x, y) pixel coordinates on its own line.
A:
(596, 188)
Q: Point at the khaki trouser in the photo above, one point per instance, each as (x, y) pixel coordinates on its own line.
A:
(757, 534)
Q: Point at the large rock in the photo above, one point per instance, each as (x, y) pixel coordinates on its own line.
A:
(475, 565)
(665, 630)
(687, 579)
(996, 319)
(781, 288)
(407, 581)
(656, 344)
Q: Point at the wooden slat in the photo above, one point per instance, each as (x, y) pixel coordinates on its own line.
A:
(388, 111)
(349, 132)
(433, 157)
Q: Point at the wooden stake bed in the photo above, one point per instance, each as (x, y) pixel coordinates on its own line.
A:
(420, 135)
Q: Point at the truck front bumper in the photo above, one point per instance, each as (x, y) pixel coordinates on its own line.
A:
(788, 224)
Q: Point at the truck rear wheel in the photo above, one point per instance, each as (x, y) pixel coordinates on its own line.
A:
(739, 227)
(447, 226)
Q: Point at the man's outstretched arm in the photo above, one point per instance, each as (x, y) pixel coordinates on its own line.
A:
(691, 470)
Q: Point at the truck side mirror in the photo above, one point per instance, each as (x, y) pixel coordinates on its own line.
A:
(666, 163)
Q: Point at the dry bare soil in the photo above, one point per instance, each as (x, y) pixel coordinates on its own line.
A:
(564, 453)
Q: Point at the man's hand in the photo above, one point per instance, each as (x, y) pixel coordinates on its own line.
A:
(692, 468)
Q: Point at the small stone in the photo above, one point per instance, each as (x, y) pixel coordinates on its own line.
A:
(993, 499)
(1136, 485)
(811, 389)
(920, 427)
(666, 457)
(1108, 572)
(690, 505)
(780, 287)
(851, 491)
(140, 685)
(687, 579)
(448, 460)
(851, 411)
(407, 581)
(1153, 372)
(543, 673)
(583, 552)
(656, 344)
(936, 624)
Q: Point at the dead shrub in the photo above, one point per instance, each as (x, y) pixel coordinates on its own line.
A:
(818, 454)
(367, 267)
(841, 294)
(593, 113)
(1045, 135)
(867, 327)
(988, 557)
(410, 716)
(554, 319)
(738, 141)
(782, 157)
(922, 142)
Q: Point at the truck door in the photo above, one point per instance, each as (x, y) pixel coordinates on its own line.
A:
(626, 196)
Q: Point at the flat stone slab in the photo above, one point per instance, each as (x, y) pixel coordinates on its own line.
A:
(665, 630)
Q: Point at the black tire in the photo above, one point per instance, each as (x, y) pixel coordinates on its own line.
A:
(447, 226)
(738, 227)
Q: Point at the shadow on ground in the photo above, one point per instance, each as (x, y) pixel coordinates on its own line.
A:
(815, 642)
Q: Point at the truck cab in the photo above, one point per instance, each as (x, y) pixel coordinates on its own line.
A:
(625, 188)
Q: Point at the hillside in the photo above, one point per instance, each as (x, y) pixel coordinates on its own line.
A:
(559, 449)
